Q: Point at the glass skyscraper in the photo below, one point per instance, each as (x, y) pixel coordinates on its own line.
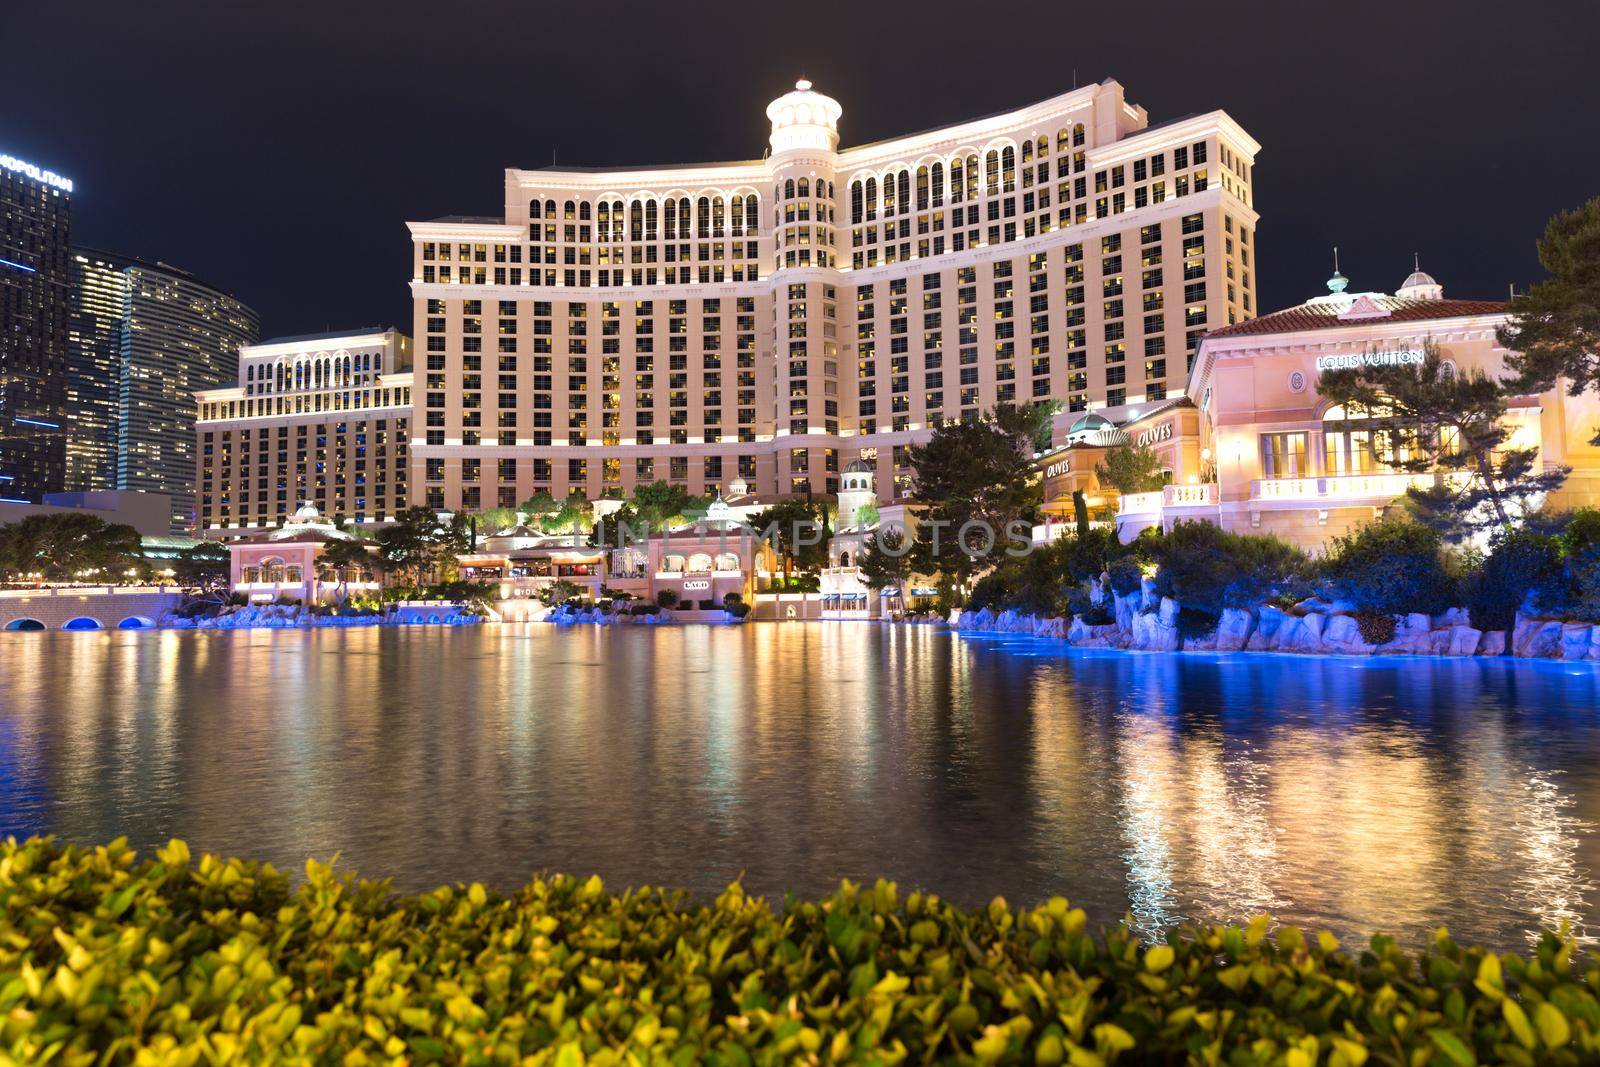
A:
(35, 283)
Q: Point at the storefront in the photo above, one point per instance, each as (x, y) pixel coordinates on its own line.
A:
(1290, 463)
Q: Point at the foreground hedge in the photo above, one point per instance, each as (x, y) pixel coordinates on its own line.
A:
(105, 959)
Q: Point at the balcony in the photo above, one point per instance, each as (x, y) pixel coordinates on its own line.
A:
(1202, 494)
(1353, 488)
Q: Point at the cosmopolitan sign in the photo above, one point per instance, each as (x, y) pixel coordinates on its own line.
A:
(1355, 361)
(38, 174)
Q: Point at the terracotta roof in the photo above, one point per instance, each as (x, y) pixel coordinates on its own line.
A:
(1322, 316)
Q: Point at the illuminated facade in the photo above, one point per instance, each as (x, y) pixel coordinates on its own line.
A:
(35, 234)
(776, 319)
(321, 420)
(1259, 450)
(179, 336)
(95, 328)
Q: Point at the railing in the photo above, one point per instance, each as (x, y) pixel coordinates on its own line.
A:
(1140, 503)
(1383, 486)
(89, 590)
(1199, 494)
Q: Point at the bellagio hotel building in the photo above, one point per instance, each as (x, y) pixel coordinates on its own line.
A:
(771, 320)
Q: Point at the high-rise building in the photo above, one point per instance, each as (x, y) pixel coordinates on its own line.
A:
(773, 320)
(35, 233)
(179, 336)
(320, 420)
(95, 327)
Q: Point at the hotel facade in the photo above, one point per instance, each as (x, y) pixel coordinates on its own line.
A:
(774, 320)
(322, 420)
(1255, 448)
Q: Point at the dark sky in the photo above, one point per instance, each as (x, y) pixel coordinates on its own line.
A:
(277, 149)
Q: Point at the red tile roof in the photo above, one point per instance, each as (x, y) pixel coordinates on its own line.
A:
(1326, 315)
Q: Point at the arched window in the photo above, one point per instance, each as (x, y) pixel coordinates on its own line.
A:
(703, 216)
(650, 220)
(1360, 440)
(752, 221)
(972, 176)
(788, 189)
(905, 190)
(583, 211)
(888, 195)
(1027, 150)
(718, 213)
(855, 203)
(991, 173)
(636, 220)
(736, 216)
(571, 211)
(803, 189)
(957, 180)
(671, 218)
(1044, 146)
(872, 198)
(922, 188)
(937, 175)
(1063, 139)
(1008, 169)
(1078, 135)
(535, 208)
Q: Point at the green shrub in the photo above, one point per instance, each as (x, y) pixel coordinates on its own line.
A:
(1376, 628)
(106, 959)
(1580, 531)
(1389, 567)
(1205, 568)
(1126, 577)
(667, 598)
(1194, 624)
(1519, 566)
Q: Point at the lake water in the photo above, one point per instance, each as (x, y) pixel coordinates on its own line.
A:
(1351, 794)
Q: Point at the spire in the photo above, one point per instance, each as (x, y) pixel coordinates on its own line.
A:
(1338, 282)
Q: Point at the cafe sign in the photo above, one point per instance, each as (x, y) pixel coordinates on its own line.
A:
(1400, 357)
(694, 584)
(1154, 435)
(1058, 468)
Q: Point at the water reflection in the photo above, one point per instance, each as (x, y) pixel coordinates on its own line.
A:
(1350, 794)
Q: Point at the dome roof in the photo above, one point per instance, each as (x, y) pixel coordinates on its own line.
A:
(859, 466)
(1092, 421)
(804, 119)
(1418, 277)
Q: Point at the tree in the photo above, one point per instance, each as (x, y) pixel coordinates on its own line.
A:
(538, 506)
(64, 546)
(493, 520)
(1554, 328)
(976, 477)
(559, 592)
(798, 532)
(885, 560)
(405, 545)
(1131, 469)
(338, 558)
(575, 515)
(1433, 419)
(204, 567)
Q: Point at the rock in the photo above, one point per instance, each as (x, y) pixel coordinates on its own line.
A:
(1052, 627)
(1343, 634)
(1208, 643)
(1535, 638)
(1493, 643)
(1301, 633)
(1594, 643)
(1125, 608)
(1576, 638)
(1451, 617)
(1269, 625)
(1464, 640)
(1078, 632)
(1234, 629)
(1413, 636)
(1151, 635)
(1147, 593)
(1168, 612)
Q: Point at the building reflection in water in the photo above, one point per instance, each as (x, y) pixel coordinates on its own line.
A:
(1349, 794)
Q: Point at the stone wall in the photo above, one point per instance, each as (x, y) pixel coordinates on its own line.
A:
(1149, 623)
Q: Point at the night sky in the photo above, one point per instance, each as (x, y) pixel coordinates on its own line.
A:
(277, 149)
